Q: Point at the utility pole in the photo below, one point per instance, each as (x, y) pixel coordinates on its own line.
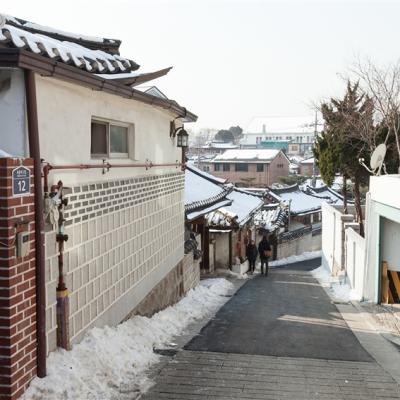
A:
(314, 179)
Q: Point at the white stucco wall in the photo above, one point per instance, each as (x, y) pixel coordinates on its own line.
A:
(355, 261)
(385, 189)
(65, 113)
(382, 231)
(221, 250)
(12, 112)
(126, 227)
(333, 237)
(390, 243)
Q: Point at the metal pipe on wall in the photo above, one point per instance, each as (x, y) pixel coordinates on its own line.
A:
(34, 153)
(105, 167)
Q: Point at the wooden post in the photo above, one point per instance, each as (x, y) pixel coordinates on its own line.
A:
(206, 250)
(385, 284)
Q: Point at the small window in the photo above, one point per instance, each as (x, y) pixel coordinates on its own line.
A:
(119, 140)
(241, 167)
(108, 140)
(260, 167)
(226, 167)
(217, 167)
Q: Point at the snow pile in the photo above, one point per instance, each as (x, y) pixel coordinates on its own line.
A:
(337, 287)
(233, 274)
(308, 255)
(110, 362)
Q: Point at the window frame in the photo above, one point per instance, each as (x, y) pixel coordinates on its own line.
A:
(241, 170)
(108, 124)
(226, 167)
(260, 167)
(217, 167)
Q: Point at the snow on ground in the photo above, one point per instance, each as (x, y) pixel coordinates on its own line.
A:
(110, 362)
(229, 273)
(337, 287)
(308, 255)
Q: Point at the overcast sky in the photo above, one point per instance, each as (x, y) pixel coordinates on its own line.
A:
(234, 60)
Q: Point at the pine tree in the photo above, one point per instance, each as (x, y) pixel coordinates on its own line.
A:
(342, 143)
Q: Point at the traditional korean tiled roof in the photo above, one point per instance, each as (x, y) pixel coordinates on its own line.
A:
(86, 60)
(326, 192)
(203, 196)
(270, 218)
(65, 47)
(206, 175)
(243, 207)
(300, 202)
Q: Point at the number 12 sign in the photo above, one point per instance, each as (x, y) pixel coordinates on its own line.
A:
(21, 181)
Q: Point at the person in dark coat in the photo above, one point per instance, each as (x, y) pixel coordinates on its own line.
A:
(263, 247)
(251, 254)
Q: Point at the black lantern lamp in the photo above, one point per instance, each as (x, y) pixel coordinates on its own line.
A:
(182, 138)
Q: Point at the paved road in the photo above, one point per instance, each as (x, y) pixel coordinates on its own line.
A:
(287, 314)
(279, 337)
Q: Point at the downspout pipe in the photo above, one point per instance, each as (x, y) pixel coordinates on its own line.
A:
(34, 153)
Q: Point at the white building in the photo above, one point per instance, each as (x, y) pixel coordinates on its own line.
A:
(361, 259)
(382, 237)
(298, 130)
(115, 148)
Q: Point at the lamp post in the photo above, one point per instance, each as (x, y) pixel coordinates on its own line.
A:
(182, 141)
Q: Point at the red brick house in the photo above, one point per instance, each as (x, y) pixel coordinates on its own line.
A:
(249, 167)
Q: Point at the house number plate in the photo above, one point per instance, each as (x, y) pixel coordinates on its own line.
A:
(21, 181)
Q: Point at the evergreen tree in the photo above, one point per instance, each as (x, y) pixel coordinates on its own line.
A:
(341, 144)
(225, 136)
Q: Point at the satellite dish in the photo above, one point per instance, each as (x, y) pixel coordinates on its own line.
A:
(377, 158)
(3, 21)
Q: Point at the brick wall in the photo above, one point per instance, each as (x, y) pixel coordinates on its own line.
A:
(125, 236)
(279, 166)
(17, 287)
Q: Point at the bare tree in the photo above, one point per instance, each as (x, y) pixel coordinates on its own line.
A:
(382, 85)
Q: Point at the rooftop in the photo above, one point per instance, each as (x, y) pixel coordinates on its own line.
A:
(281, 125)
(300, 202)
(89, 61)
(248, 155)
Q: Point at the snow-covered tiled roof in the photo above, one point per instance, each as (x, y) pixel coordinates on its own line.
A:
(327, 193)
(198, 212)
(300, 202)
(248, 155)
(42, 41)
(203, 196)
(206, 175)
(241, 210)
(270, 219)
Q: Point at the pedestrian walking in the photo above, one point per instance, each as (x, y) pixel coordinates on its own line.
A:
(264, 249)
(251, 254)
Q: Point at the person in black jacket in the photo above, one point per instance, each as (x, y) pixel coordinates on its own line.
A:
(263, 248)
(251, 254)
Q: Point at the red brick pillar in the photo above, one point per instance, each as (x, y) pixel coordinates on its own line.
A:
(17, 285)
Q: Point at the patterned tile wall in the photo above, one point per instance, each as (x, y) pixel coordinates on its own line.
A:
(119, 232)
